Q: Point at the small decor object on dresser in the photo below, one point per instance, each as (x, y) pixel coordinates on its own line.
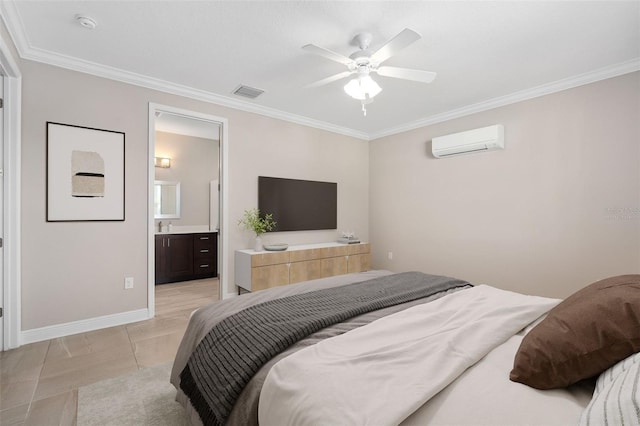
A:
(349, 238)
(276, 247)
(253, 221)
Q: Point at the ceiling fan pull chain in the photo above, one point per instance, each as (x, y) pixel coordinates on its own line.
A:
(364, 109)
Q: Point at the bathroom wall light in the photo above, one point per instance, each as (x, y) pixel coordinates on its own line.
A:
(163, 162)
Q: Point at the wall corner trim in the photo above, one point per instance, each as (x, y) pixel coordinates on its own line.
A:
(82, 326)
(615, 70)
(229, 295)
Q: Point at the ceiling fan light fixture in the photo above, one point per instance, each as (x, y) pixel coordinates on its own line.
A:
(362, 88)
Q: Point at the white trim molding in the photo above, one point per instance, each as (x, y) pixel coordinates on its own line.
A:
(545, 89)
(26, 51)
(151, 242)
(11, 213)
(82, 326)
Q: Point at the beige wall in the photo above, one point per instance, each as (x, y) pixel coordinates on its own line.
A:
(194, 163)
(538, 217)
(75, 271)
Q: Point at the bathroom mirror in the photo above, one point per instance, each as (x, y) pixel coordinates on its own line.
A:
(166, 204)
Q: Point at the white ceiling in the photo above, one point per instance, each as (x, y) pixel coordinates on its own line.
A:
(486, 54)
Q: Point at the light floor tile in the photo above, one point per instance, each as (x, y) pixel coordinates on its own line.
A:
(39, 381)
(157, 350)
(156, 327)
(23, 363)
(14, 416)
(56, 410)
(92, 342)
(19, 372)
(14, 393)
(66, 374)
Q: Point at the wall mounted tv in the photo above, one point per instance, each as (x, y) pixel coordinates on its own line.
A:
(299, 205)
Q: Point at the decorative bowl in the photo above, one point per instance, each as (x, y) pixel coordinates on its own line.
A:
(276, 247)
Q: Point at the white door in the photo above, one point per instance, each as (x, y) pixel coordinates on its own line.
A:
(1, 216)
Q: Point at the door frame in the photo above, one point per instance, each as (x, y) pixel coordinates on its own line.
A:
(10, 283)
(223, 239)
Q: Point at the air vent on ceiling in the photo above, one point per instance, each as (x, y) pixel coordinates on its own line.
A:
(248, 92)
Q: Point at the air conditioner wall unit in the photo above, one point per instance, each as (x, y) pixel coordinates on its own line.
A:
(484, 139)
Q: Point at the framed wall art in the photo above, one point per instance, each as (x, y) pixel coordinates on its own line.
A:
(85, 174)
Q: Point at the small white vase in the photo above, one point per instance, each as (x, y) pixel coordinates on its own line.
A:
(258, 245)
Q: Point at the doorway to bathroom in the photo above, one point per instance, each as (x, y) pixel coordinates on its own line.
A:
(187, 202)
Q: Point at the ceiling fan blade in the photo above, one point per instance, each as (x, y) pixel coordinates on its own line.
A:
(396, 44)
(328, 54)
(328, 80)
(407, 74)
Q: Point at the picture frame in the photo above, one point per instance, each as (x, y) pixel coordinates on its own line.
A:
(85, 174)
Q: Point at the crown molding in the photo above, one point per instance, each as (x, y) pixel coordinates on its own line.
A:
(15, 27)
(545, 89)
(104, 71)
(13, 23)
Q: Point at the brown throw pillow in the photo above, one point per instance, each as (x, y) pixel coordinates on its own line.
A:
(582, 336)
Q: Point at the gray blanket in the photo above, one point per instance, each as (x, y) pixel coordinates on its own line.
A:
(238, 346)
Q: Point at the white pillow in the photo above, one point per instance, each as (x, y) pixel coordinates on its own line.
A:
(616, 399)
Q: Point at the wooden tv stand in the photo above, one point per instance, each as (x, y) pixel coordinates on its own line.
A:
(258, 270)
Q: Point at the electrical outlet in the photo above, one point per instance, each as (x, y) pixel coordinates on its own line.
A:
(390, 255)
(128, 283)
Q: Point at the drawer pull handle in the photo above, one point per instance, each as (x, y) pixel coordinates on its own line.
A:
(204, 266)
(204, 238)
(204, 251)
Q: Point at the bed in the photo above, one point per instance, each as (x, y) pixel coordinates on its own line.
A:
(380, 348)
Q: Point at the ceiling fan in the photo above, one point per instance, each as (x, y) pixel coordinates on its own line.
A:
(364, 62)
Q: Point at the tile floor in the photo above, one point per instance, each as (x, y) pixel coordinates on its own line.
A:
(39, 382)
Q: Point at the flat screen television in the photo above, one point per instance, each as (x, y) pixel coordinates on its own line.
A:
(299, 205)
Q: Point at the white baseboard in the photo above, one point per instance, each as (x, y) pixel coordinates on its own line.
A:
(229, 295)
(82, 326)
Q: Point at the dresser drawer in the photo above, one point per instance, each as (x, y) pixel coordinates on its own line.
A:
(200, 251)
(273, 258)
(203, 241)
(205, 255)
(361, 248)
(338, 251)
(204, 266)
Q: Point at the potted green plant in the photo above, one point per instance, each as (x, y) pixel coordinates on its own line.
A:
(252, 221)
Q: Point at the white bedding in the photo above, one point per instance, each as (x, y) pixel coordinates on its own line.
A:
(382, 372)
(484, 396)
